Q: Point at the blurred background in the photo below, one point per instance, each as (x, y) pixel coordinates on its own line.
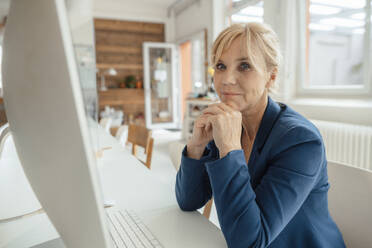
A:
(148, 62)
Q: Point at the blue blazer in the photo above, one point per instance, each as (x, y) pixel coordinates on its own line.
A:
(279, 199)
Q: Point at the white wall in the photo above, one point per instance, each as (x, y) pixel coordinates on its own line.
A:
(190, 20)
(195, 18)
(80, 14)
(137, 10)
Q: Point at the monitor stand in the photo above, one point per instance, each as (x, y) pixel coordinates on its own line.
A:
(54, 243)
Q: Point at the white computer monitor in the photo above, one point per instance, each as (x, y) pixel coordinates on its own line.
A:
(45, 110)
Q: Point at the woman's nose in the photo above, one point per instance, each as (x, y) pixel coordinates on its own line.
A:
(229, 77)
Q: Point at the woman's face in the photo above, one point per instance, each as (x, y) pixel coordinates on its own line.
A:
(236, 83)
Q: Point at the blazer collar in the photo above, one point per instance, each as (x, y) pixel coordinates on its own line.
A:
(270, 116)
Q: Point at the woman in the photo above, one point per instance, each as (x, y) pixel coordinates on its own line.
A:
(264, 164)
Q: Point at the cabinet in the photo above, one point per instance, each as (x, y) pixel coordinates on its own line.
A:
(194, 108)
(161, 83)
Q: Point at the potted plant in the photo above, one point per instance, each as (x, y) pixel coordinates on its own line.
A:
(130, 81)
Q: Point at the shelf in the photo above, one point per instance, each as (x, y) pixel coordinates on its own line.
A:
(119, 49)
(120, 66)
(123, 89)
(161, 120)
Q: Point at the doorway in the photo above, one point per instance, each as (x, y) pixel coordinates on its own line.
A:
(186, 82)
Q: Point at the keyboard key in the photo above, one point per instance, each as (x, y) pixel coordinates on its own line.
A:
(127, 230)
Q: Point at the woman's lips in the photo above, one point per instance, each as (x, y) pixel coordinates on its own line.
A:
(230, 94)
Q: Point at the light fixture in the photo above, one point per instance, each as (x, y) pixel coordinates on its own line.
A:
(321, 27)
(159, 60)
(352, 4)
(252, 11)
(317, 9)
(111, 72)
(245, 19)
(342, 22)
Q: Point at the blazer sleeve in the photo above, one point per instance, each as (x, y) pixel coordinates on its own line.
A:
(254, 218)
(193, 189)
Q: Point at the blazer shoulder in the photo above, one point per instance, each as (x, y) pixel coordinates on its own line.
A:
(291, 129)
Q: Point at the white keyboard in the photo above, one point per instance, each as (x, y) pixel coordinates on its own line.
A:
(128, 231)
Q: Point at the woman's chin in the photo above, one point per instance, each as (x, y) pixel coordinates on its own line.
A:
(232, 104)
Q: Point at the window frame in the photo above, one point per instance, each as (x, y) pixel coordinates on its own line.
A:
(239, 6)
(345, 91)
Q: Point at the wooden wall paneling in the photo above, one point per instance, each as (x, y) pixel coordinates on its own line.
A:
(130, 101)
(118, 49)
(119, 46)
(129, 26)
(118, 58)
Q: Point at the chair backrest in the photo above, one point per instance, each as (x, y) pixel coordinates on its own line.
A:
(106, 124)
(208, 208)
(4, 134)
(3, 127)
(350, 203)
(122, 134)
(141, 136)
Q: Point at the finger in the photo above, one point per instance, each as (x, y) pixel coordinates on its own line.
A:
(200, 124)
(226, 107)
(208, 127)
(214, 105)
(202, 121)
(213, 110)
(205, 115)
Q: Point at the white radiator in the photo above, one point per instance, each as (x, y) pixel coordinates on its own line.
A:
(347, 143)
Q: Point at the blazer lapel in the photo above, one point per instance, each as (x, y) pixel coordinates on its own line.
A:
(270, 116)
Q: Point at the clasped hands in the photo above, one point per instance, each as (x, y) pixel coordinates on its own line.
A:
(219, 122)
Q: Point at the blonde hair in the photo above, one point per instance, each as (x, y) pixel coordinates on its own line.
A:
(259, 41)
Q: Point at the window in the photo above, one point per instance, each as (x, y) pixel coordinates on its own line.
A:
(243, 11)
(337, 41)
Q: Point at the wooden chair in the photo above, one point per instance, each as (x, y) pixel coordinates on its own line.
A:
(4, 134)
(105, 123)
(208, 208)
(122, 134)
(141, 136)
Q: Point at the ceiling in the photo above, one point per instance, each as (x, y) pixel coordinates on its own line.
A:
(4, 4)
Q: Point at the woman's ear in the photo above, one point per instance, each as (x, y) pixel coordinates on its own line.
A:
(272, 78)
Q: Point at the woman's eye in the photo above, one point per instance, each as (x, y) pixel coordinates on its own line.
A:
(220, 67)
(244, 66)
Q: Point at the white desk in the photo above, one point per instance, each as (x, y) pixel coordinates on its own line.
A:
(125, 180)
